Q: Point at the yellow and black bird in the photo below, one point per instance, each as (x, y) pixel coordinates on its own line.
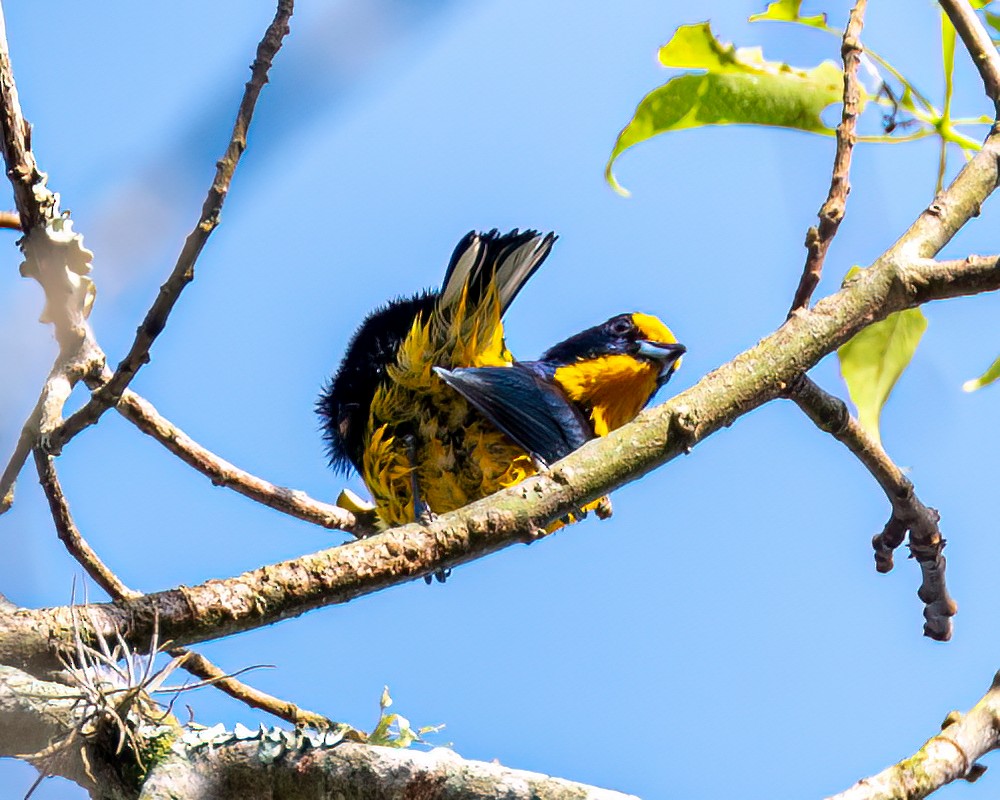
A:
(431, 409)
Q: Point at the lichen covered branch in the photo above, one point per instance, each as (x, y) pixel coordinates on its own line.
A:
(249, 769)
(949, 756)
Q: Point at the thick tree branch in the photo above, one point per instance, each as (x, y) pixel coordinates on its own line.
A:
(977, 41)
(183, 273)
(352, 770)
(831, 213)
(266, 595)
(33, 715)
(949, 756)
(952, 208)
(908, 513)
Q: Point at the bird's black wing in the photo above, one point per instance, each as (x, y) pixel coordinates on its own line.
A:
(509, 259)
(522, 404)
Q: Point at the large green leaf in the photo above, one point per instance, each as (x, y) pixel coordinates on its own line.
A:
(788, 11)
(734, 87)
(988, 377)
(873, 360)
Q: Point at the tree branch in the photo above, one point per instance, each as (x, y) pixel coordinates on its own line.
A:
(70, 535)
(201, 667)
(15, 134)
(183, 273)
(294, 502)
(908, 513)
(192, 662)
(33, 715)
(518, 514)
(237, 769)
(831, 213)
(949, 756)
(56, 258)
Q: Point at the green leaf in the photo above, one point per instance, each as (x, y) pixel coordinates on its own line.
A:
(873, 360)
(788, 11)
(985, 379)
(948, 61)
(736, 87)
(993, 20)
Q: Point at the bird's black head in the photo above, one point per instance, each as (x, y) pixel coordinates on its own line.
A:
(638, 335)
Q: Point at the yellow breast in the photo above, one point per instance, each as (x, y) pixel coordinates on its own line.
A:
(612, 388)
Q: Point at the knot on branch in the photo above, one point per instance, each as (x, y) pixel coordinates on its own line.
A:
(886, 542)
(684, 424)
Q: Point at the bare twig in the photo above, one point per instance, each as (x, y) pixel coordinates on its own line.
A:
(289, 501)
(196, 664)
(10, 220)
(56, 258)
(21, 167)
(70, 535)
(183, 273)
(830, 413)
(14, 465)
(949, 756)
(832, 211)
(908, 513)
(201, 667)
(979, 44)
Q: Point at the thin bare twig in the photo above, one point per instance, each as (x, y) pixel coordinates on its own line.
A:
(110, 393)
(830, 413)
(201, 667)
(56, 258)
(908, 514)
(10, 220)
(14, 466)
(104, 576)
(831, 213)
(949, 756)
(979, 44)
(70, 535)
(22, 170)
(294, 502)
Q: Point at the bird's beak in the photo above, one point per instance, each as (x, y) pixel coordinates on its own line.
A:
(667, 355)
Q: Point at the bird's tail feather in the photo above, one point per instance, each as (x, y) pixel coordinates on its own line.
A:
(509, 259)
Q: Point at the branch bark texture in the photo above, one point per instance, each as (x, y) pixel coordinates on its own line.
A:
(949, 756)
(353, 771)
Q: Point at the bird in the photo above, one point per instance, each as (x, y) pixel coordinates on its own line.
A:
(431, 409)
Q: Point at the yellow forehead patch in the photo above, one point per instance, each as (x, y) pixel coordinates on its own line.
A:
(651, 329)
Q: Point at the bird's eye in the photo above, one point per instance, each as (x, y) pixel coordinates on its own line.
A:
(622, 326)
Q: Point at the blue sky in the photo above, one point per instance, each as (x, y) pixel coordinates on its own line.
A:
(727, 621)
